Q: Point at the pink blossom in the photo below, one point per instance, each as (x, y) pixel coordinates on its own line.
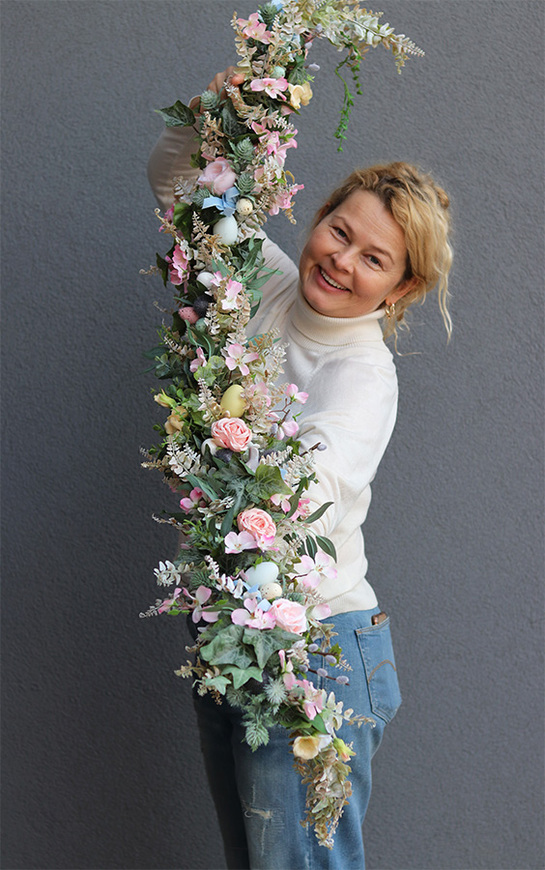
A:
(321, 611)
(178, 268)
(168, 602)
(283, 200)
(272, 87)
(218, 175)
(169, 214)
(201, 597)
(232, 290)
(255, 29)
(292, 390)
(311, 572)
(194, 500)
(276, 147)
(233, 433)
(253, 616)
(289, 428)
(235, 357)
(290, 615)
(199, 361)
(260, 524)
(237, 543)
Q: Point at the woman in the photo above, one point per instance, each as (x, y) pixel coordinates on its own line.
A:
(379, 244)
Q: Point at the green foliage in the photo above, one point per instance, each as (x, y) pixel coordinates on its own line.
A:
(178, 115)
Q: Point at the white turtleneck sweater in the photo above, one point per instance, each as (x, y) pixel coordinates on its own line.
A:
(349, 374)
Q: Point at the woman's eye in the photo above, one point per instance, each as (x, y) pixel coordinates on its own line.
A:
(340, 233)
(374, 260)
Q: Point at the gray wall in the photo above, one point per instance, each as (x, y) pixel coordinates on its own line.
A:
(101, 763)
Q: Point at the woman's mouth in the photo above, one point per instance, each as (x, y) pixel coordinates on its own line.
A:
(329, 280)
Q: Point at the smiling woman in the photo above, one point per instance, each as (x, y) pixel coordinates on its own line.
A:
(379, 244)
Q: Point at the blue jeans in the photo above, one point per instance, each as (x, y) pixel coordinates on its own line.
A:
(258, 795)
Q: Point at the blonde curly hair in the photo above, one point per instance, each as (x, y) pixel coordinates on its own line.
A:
(421, 208)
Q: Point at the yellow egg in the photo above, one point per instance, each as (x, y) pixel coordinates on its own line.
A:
(231, 401)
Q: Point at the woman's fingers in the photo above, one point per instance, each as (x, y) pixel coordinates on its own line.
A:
(218, 82)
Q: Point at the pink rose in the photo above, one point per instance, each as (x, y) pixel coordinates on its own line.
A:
(233, 433)
(289, 615)
(258, 523)
(219, 175)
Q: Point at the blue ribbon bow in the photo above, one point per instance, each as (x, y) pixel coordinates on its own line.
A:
(226, 203)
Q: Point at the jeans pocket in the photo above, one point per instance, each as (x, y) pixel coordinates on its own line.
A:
(375, 643)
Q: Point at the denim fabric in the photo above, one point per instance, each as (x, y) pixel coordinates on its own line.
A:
(258, 795)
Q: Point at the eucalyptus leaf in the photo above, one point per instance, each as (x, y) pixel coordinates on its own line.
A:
(327, 546)
(318, 513)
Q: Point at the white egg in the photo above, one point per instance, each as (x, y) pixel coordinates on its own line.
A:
(205, 278)
(227, 229)
(271, 591)
(264, 572)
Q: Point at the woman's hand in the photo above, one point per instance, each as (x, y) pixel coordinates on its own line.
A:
(218, 85)
(227, 76)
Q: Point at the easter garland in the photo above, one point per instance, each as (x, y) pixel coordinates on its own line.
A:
(250, 564)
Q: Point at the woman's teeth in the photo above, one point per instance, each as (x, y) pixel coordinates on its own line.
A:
(329, 280)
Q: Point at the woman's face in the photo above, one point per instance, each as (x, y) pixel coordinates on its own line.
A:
(355, 259)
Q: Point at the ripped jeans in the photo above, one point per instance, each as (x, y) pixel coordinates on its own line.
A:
(258, 795)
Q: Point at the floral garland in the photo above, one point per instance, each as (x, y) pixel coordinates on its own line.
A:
(250, 565)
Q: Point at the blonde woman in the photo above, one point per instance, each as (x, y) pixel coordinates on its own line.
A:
(378, 244)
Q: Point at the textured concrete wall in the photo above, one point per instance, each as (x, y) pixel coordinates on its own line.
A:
(101, 765)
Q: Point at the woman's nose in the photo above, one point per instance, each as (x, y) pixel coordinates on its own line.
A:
(343, 258)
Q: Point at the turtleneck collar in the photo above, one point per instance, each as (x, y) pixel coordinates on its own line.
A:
(335, 331)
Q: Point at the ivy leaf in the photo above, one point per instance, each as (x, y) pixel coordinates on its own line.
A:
(242, 675)
(226, 649)
(177, 115)
(219, 683)
(266, 642)
(268, 481)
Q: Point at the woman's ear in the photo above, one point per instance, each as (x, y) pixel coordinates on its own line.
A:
(401, 290)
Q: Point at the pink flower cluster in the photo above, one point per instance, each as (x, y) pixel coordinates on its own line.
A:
(179, 266)
(282, 613)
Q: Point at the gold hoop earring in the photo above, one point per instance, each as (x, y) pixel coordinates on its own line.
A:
(390, 309)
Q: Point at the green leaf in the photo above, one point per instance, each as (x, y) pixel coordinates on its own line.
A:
(240, 676)
(327, 546)
(226, 649)
(231, 125)
(205, 485)
(268, 481)
(318, 513)
(318, 724)
(312, 549)
(219, 683)
(177, 115)
(266, 642)
(183, 218)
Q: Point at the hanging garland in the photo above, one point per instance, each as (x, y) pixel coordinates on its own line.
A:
(250, 564)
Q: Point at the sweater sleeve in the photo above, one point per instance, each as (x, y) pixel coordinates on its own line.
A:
(171, 158)
(354, 416)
